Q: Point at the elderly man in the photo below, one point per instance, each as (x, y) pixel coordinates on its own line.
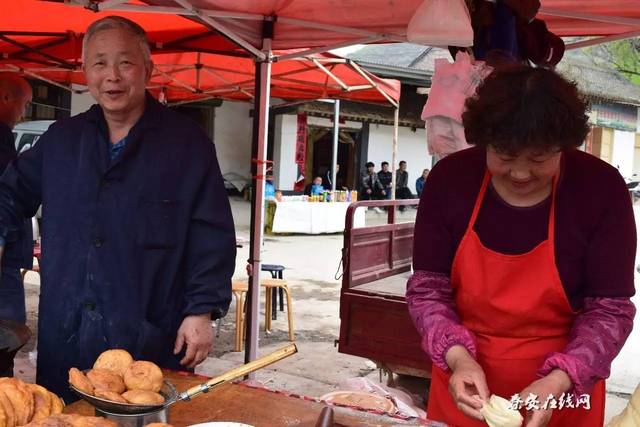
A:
(138, 238)
(15, 94)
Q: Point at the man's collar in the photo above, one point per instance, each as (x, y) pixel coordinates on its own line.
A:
(150, 116)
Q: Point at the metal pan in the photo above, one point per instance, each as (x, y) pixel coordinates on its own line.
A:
(172, 396)
(168, 391)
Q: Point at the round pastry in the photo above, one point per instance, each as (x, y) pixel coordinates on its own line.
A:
(72, 420)
(80, 381)
(7, 417)
(82, 421)
(51, 421)
(57, 405)
(110, 395)
(143, 397)
(104, 379)
(114, 360)
(6, 407)
(20, 397)
(142, 375)
(42, 402)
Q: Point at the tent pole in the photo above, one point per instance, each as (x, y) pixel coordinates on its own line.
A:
(394, 155)
(601, 40)
(258, 169)
(334, 153)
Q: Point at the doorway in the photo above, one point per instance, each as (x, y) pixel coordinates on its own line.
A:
(320, 148)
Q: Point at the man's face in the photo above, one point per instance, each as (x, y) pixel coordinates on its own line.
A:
(17, 105)
(385, 168)
(370, 169)
(116, 71)
(20, 105)
(403, 166)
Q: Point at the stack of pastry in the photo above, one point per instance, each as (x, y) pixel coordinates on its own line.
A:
(630, 417)
(118, 378)
(22, 403)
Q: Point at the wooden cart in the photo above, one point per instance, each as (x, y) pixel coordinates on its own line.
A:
(374, 321)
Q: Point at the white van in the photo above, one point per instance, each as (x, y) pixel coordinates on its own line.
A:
(27, 133)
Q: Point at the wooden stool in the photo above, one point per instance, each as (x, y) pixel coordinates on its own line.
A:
(239, 290)
(279, 284)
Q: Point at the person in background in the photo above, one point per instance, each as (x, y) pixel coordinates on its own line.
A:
(402, 182)
(15, 94)
(523, 257)
(269, 188)
(420, 182)
(326, 182)
(316, 187)
(385, 177)
(370, 186)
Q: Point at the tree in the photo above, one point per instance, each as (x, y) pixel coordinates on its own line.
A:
(623, 55)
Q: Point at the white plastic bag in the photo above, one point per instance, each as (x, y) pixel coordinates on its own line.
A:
(441, 23)
(404, 401)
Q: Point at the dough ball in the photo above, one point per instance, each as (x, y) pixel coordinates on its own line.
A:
(80, 381)
(110, 395)
(104, 379)
(114, 360)
(142, 375)
(143, 397)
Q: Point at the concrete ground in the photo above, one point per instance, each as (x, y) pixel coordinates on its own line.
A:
(312, 265)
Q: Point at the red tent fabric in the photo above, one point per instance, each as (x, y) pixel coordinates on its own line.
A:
(53, 27)
(589, 17)
(391, 17)
(52, 52)
(193, 76)
(47, 32)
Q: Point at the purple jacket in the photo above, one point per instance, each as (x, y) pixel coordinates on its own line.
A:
(598, 334)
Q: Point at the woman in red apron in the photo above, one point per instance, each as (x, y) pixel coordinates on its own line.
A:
(522, 282)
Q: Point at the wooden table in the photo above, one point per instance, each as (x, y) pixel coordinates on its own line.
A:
(254, 406)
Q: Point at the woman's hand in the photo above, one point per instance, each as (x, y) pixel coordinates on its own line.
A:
(467, 384)
(556, 383)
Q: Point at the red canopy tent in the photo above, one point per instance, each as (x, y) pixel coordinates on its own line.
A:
(195, 76)
(259, 27)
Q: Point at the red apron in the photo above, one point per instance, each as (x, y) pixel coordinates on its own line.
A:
(517, 309)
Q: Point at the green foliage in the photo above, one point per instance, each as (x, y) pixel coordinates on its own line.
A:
(624, 55)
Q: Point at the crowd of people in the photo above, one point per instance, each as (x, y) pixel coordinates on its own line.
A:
(378, 185)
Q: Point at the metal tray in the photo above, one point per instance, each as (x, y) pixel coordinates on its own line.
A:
(168, 391)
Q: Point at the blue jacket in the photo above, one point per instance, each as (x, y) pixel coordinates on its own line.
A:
(419, 185)
(19, 252)
(129, 247)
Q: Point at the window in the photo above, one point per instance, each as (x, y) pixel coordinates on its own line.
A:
(27, 141)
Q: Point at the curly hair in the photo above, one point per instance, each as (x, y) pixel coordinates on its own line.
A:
(519, 107)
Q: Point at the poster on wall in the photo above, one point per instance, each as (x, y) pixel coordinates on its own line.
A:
(614, 116)
(301, 151)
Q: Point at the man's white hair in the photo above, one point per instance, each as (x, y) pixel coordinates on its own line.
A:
(117, 23)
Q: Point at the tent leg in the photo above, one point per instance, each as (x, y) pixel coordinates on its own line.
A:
(394, 152)
(258, 169)
(334, 154)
